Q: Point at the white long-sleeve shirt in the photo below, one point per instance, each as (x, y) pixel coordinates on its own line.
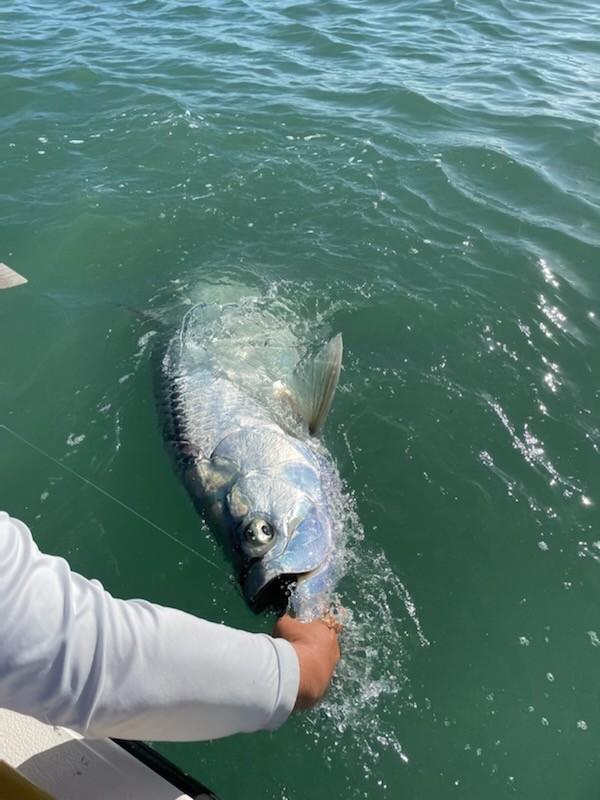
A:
(72, 655)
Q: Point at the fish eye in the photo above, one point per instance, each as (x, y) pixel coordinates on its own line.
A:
(259, 533)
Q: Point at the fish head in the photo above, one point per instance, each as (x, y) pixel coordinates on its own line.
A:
(282, 534)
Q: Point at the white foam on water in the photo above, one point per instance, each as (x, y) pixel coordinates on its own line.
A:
(381, 627)
(73, 440)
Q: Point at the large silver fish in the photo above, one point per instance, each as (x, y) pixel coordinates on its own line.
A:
(250, 464)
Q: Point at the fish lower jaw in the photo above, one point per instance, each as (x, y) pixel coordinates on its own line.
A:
(283, 593)
(275, 594)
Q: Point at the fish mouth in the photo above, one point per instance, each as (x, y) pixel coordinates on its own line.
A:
(283, 591)
(274, 595)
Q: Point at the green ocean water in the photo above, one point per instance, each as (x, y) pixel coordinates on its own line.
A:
(423, 178)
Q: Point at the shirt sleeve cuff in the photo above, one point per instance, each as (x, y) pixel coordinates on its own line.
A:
(289, 681)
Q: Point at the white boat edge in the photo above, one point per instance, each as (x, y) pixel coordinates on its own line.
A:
(69, 767)
(10, 278)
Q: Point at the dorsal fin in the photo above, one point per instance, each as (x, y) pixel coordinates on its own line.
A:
(316, 384)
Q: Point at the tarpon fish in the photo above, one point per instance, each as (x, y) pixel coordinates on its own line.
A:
(264, 485)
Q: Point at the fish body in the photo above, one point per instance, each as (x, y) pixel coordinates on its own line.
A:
(264, 485)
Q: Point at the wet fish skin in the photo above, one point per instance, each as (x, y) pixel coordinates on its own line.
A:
(263, 489)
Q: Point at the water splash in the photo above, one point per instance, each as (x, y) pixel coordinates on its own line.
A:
(381, 628)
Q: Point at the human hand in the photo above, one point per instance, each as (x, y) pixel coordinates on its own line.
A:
(316, 645)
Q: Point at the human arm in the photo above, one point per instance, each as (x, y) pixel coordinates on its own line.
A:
(71, 654)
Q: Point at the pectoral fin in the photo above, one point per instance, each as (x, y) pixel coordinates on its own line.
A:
(211, 476)
(238, 503)
(316, 383)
